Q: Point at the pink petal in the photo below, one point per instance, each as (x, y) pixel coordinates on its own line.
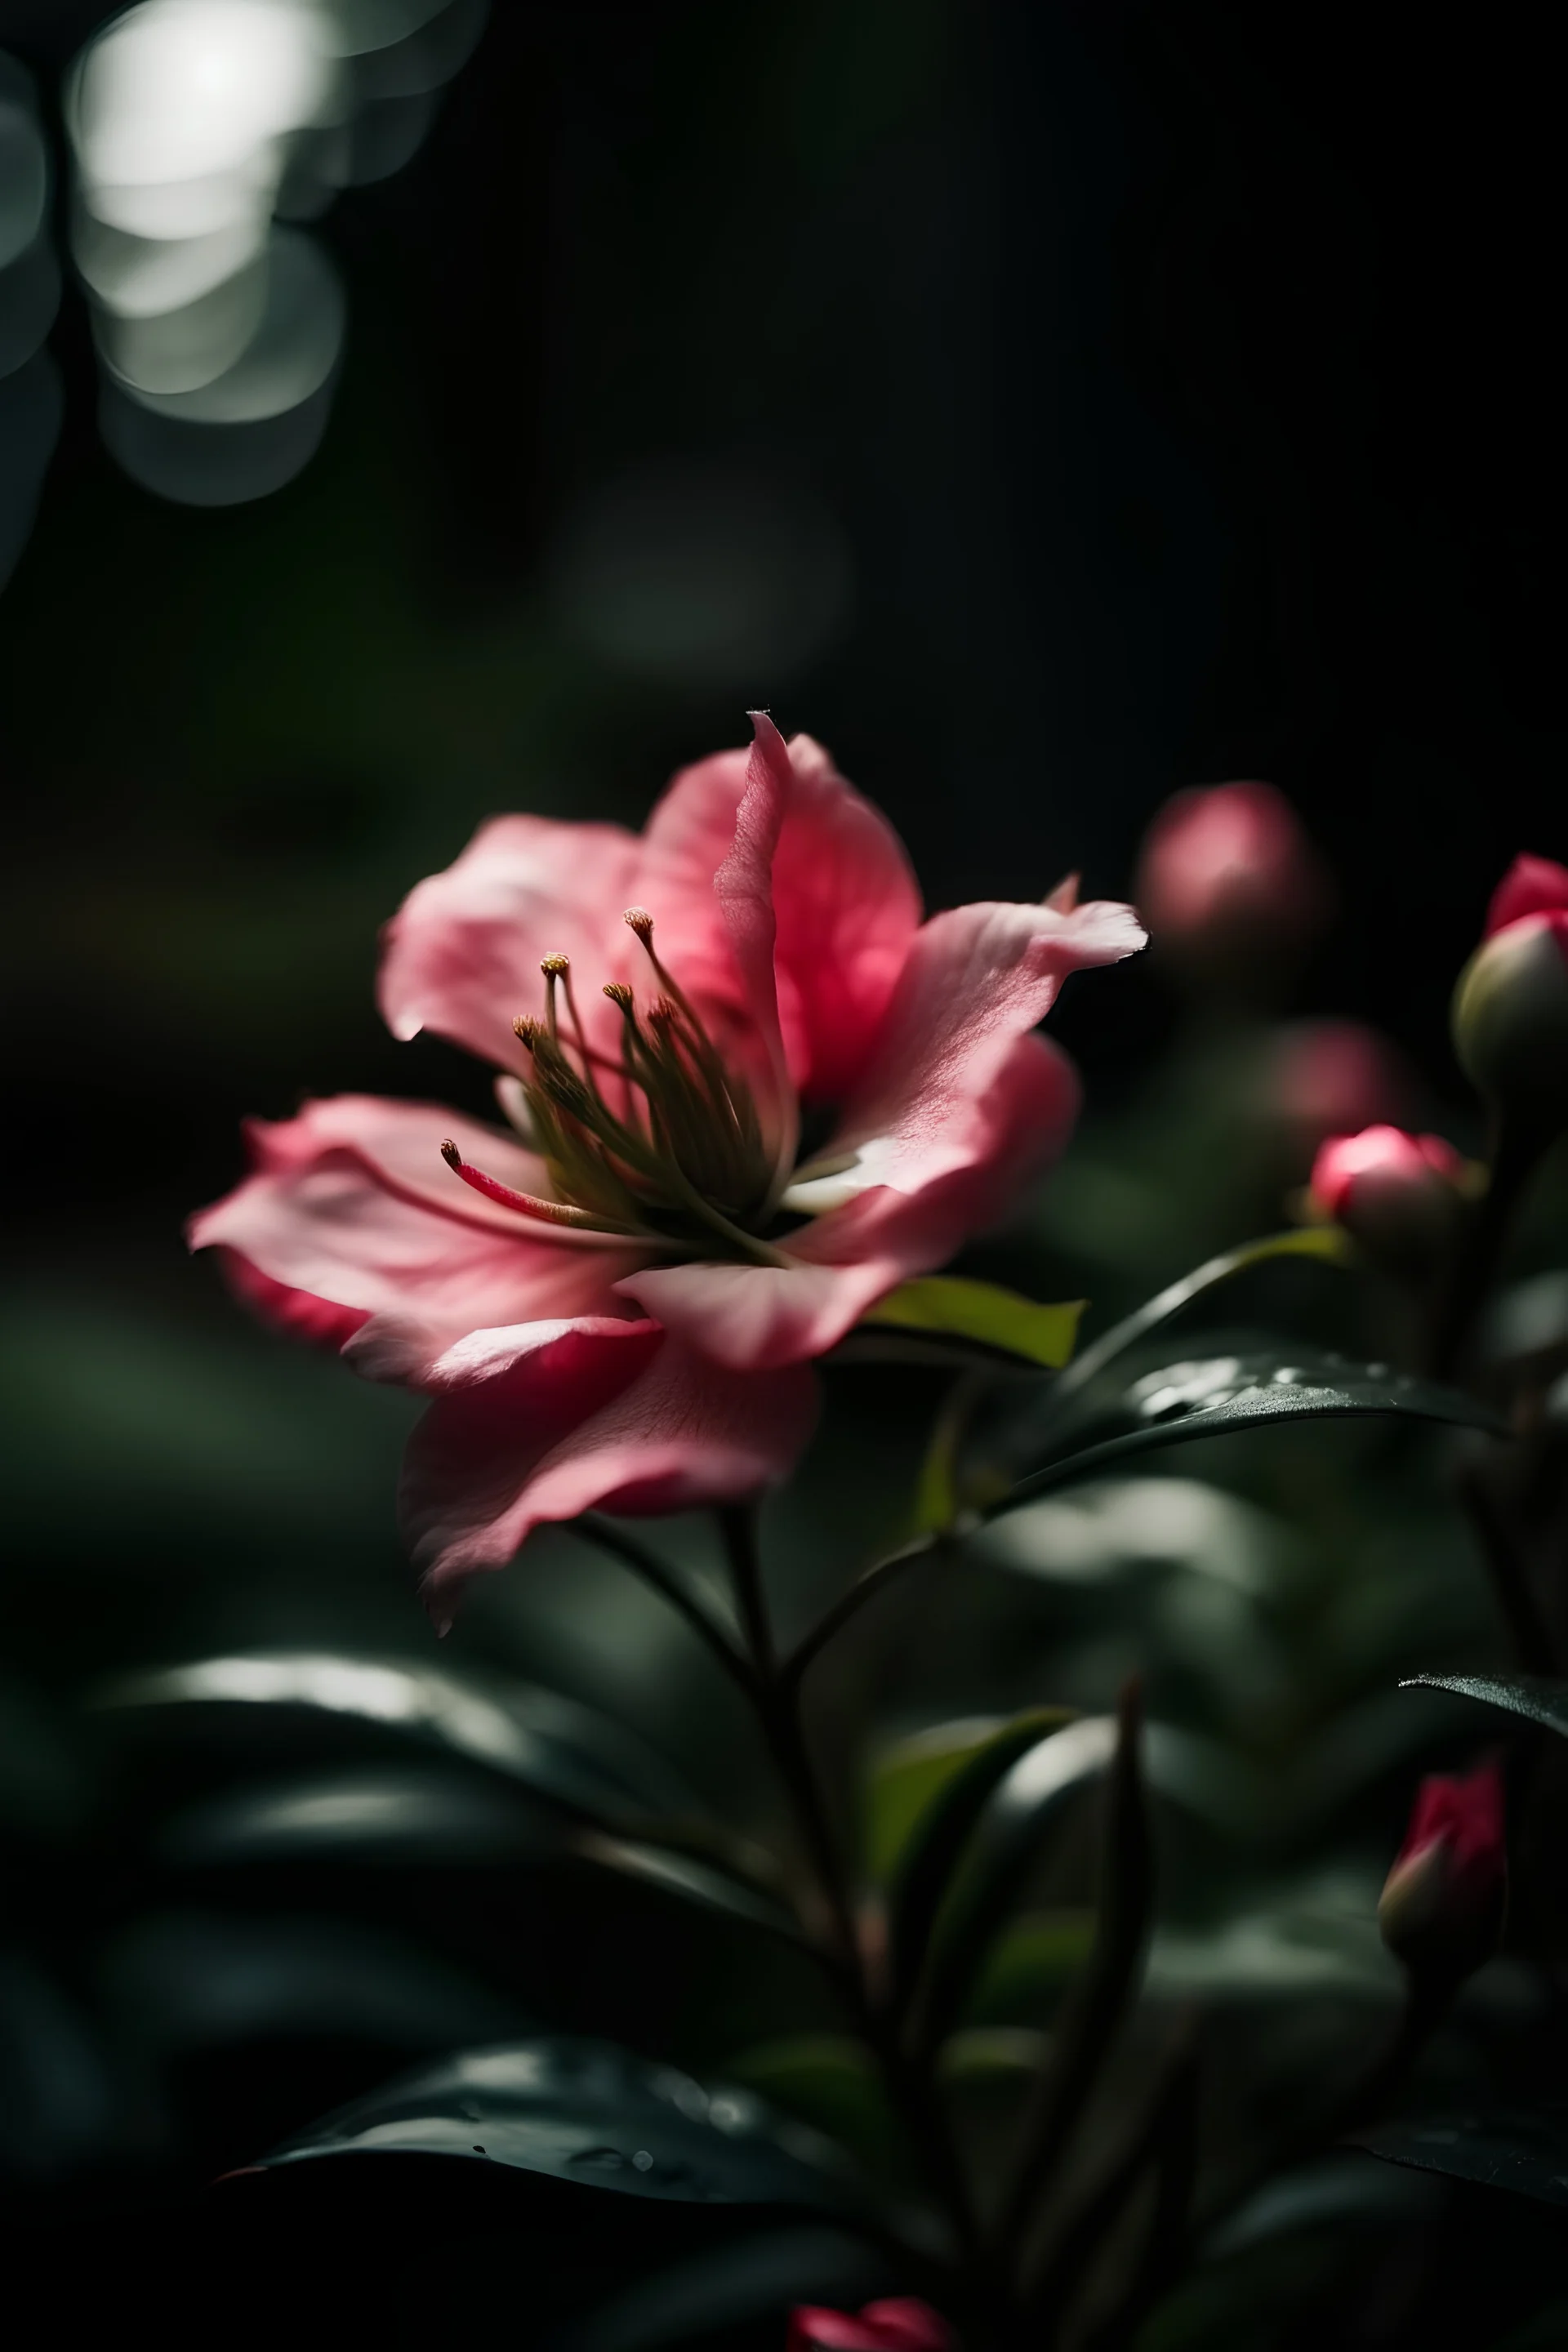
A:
(908, 2325)
(462, 954)
(320, 1321)
(341, 1208)
(976, 981)
(544, 1422)
(753, 1317)
(846, 904)
(743, 886)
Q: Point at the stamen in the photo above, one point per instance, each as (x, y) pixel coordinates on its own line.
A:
(638, 919)
(556, 967)
(527, 1204)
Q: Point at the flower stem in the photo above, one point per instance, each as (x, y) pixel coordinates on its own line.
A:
(1516, 1149)
(911, 2090)
(651, 1569)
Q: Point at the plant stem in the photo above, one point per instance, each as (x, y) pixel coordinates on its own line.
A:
(1516, 1149)
(1507, 1568)
(651, 1569)
(911, 2090)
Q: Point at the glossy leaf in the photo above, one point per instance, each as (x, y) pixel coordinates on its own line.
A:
(974, 1759)
(1218, 1396)
(1328, 1243)
(563, 1752)
(420, 1817)
(691, 1878)
(1532, 1697)
(830, 2081)
(1520, 2148)
(1005, 1838)
(587, 2111)
(983, 1316)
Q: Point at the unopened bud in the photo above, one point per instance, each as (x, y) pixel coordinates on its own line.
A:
(1227, 881)
(899, 2324)
(1510, 1007)
(1445, 1901)
(1400, 1196)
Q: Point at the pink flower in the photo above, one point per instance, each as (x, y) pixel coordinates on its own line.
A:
(749, 1092)
(1510, 1006)
(900, 2325)
(1227, 878)
(1399, 1195)
(1443, 1905)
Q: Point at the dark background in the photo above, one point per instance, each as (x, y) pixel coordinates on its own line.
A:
(1064, 404)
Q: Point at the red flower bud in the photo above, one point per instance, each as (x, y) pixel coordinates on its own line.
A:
(1398, 1195)
(1227, 879)
(1510, 1007)
(1444, 1902)
(1532, 885)
(901, 2325)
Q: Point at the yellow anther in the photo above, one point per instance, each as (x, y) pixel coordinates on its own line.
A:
(556, 967)
(638, 919)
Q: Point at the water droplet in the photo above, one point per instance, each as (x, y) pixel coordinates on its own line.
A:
(478, 2149)
(643, 2160)
(598, 2159)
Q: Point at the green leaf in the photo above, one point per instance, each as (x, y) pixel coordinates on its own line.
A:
(692, 1877)
(987, 2056)
(417, 1817)
(1524, 2150)
(908, 1775)
(1217, 1396)
(1326, 1242)
(830, 2081)
(1530, 1695)
(973, 1759)
(950, 1307)
(590, 1768)
(1029, 1966)
(1005, 1838)
(587, 2111)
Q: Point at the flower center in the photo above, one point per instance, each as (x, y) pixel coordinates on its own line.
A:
(662, 1143)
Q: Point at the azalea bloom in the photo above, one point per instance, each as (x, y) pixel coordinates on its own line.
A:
(1510, 1007)
(1442, 1906)
(748, 1092)
(1400, 1195)
(1226, 878)
(899, 2324)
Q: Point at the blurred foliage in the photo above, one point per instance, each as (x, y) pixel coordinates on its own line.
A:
(237, 1897)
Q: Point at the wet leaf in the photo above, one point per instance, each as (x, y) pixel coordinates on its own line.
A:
(990, 1319)
(1524, 2150)
(974, 1759)
(587, 2111)
(1217, 1396)
(1532, 1697)
(829, 2080)
(575, 1759)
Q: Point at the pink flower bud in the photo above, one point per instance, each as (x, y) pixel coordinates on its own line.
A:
(1227, 881)
(1398, 1195)
(900, 2325)
(1532, 885)
(1510, 1007)
(1444, 1902)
